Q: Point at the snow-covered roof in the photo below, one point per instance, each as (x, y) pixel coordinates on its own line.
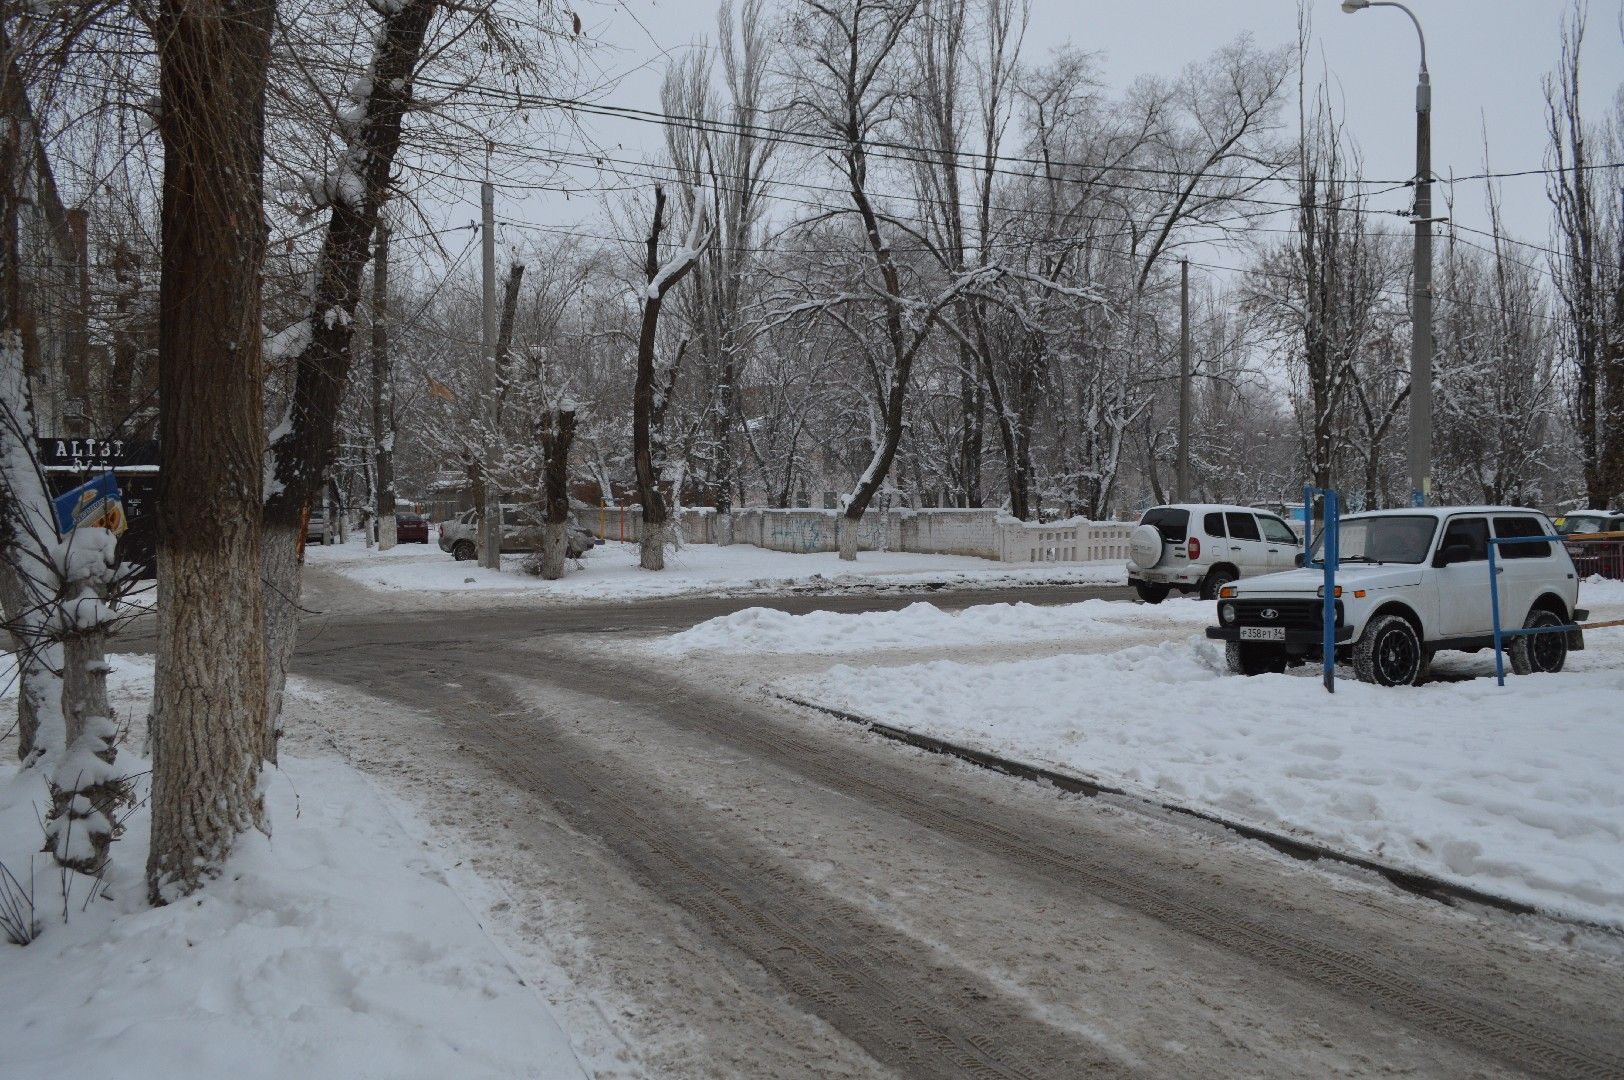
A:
(1444, 511)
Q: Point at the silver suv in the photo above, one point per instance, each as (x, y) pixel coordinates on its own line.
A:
(1411, 583)
(522, 532)
(1201, 547)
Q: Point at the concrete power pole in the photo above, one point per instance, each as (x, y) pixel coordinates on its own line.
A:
(490, 521)
(1182, 483)
(1421, 332)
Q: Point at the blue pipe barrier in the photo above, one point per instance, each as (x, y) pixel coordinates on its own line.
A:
(1494, 604)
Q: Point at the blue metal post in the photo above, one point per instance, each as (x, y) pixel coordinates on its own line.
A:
(1494, 607)
(1308, 524)
(1328, 604)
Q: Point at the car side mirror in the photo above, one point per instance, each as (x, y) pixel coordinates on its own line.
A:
(1452, 553)
(1298, 559)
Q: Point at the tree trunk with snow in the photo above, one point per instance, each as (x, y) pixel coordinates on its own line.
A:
(557, 433)
(87, 786)
(652, 391)
(383, 405)
(209, 695)
(32, 576)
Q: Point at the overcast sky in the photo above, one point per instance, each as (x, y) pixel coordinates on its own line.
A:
(1486, 58)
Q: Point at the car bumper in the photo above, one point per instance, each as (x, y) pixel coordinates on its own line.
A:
(1188, 575)
(1293, 636)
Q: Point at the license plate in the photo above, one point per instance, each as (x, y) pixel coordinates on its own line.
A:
(1263, 633)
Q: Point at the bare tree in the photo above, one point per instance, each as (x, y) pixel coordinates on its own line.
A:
(1589, 270)
(303, 447)
(654, 383)
(846, 88)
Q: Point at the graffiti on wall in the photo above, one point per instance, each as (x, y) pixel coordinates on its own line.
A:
(805, 533)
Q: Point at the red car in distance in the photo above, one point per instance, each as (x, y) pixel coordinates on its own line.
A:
(411, 529)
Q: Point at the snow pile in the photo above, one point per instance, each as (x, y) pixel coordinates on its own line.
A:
(611, 572)
(922, 625)
(336, 949)
(1514, 791)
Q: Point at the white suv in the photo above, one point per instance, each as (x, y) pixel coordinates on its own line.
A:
(1201, 547)
(1410, 583)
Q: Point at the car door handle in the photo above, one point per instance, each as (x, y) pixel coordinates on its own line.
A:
(1274, 551)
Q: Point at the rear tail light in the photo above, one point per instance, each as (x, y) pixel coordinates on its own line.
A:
(1193, 548)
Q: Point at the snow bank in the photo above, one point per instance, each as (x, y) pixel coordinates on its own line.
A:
(335, 949)
(923, 625)
(610, 572)
(1514, 791)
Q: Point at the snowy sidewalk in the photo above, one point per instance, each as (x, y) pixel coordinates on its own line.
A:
(336, 949)
(610, 572)
(1511, 791)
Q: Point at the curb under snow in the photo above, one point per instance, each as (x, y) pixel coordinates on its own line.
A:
(1411, 881)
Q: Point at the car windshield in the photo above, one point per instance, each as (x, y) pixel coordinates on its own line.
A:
(1580, 523)
(1398, 538)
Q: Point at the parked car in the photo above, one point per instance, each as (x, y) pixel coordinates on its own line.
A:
(1201, 547)
(1409, 584)
(319, 529)
(411, 529)
(522, 532)
(1590, 521)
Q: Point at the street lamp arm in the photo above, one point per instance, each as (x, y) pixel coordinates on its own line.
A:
(1413, 19)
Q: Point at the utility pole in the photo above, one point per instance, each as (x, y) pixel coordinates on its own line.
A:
(1182, 483)
(1421, 347)
(383, 405)
(1421, 332)
(490, 520)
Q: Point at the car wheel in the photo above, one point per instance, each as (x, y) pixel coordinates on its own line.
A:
(1150, 592)
(1539, 652)
(1217, 579)
(463, 551)
(1390, 653)
(1255, 658)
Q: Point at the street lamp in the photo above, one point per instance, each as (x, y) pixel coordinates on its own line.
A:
(1421, 346)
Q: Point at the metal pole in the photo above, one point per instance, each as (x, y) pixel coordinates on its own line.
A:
(1183, 481)
(1421, 346)
(490, 524)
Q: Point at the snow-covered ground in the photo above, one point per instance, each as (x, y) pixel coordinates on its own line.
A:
(610, 572)
(335, 949)
(1513, 791)
(924, 625)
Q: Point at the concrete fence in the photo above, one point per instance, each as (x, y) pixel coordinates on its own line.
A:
(985, 534)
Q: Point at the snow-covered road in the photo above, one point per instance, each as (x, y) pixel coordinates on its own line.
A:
(1512, 791)
(749, 889)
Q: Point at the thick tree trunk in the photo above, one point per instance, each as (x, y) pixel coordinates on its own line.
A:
(284, 583)
(557, 433)
(209, 696)
(554, 550)
(651, 545)
(846, 529)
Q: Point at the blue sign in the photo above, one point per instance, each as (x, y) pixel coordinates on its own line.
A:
(96, 503)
